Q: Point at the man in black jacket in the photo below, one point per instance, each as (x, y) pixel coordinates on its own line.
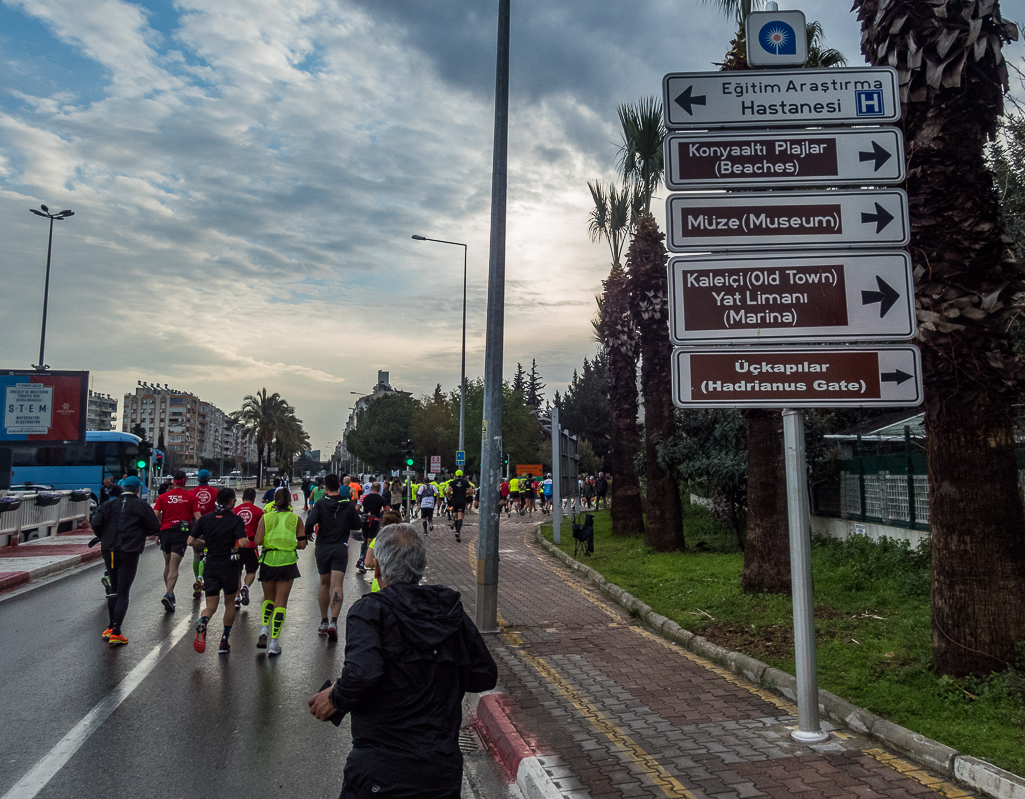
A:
(122, 524)
(411, 652)
(333, 517)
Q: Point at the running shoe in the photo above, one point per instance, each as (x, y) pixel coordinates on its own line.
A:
(244, 594)
(200, 643)
(457, 538)
(261, 642)
(332, 633)
(322, 629)
(224, 647)
(105, 581)
(168, 602)
(274, 648)
(238, 603)
(197, 589)
(117, 639)
(107, 633)
(432, 528)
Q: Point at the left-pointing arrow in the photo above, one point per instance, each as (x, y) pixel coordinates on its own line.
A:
(886, 296)
(878, 154)
(896, 376)
(881, 217)
(685, 100)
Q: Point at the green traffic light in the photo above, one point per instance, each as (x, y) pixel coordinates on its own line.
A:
(409, 461)
(141, 464)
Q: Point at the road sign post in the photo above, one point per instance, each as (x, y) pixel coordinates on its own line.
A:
(720, 159)
(703, 222)
(778, 297)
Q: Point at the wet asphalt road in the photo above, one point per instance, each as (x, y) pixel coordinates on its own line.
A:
(196, 725)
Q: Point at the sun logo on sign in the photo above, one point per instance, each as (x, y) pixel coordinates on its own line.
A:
(778, 37)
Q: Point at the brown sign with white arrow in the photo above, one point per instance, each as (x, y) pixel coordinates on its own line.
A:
(785, 158)
(777, 297)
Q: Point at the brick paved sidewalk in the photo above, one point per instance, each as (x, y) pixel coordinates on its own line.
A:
(616, 711)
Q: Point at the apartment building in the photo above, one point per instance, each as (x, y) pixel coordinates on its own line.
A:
(102, 412)
(167, 415)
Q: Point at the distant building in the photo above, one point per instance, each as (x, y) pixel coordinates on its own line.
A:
(382, 389)
(168, 413)
(102, 412)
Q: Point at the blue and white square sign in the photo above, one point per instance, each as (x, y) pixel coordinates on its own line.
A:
(776, 39)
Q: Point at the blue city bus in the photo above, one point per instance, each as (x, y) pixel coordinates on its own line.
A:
(65, 467)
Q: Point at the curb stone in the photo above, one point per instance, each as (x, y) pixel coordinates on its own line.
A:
(975, 774)
(487, 712)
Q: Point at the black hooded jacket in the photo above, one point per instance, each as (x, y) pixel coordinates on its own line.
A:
(336, 517)
(411, 652)
(123, 522)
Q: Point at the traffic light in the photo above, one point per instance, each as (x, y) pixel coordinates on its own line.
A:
(505, 460)
(145, 454)
(158, 460)
(408, 447)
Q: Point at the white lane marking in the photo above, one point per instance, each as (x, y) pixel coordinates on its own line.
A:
(54, 760)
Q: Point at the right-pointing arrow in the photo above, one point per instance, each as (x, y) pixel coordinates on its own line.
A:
(881, 217)
(896, 376)
(886, 296)
(685, 100)
(878, 154)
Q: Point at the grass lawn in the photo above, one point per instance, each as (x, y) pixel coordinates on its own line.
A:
(872, 624)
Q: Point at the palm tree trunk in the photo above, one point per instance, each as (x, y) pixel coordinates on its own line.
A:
(952, 77)
(663, 526)
(627, 513)
(767, 544)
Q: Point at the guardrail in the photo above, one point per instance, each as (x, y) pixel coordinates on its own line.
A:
(230, 482)
(31, 520)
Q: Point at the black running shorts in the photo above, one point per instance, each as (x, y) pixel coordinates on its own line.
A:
(220, 575)
(331, 557)
(458, 507)
(173, 541)
(278, 574)
(248, 559)
(427, 514)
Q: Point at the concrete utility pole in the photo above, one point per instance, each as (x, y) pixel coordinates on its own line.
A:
(491, 429)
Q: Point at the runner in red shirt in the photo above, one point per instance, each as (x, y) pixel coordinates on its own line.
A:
(205, 501)
(176, 509)
(248, 557)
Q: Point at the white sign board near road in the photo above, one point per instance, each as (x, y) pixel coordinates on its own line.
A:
(859, 157)
(783, 220)
(435, 463)
(775, 98)
(797, 377)
(28, 409)
(782, 298)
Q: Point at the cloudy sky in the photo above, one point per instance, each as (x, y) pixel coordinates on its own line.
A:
(246, 176)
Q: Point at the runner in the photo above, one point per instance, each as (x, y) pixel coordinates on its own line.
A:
(176, 510)
(307, 489)
(122, 524)
(547, 508)
(528, 492)
(457, 494)
(426, 496)
(330, 522)
(395, 501)
(373, 507)
(318, 492)
(355, 489)
(280, 532)
(206, 499)
(514, 494)
(249, 558)
(601, 491)
(503, 497)
(389, 518)
(221, 534)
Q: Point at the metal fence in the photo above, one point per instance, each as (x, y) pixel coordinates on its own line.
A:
(31, 521)
(895, 499)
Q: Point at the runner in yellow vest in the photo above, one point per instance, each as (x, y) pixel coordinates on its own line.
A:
(281, 533)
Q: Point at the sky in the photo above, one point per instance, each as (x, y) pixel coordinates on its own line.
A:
(246, 176)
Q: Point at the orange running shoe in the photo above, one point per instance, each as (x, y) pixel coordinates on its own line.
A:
(200, 643)
(107, 633)
(118, 639)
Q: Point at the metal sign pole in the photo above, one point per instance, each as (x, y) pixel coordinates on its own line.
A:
(556, 478)
(808, 727)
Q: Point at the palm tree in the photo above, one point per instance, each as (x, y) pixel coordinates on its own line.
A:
(614, 329)
(259, 415)
(952, 76)
(820, 56)
(290, 438)
(643, 164)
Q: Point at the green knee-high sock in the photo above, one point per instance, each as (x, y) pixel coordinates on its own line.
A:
(197, 566)
(277, 620)
(266, 609)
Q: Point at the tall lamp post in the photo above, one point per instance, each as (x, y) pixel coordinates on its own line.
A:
(462, 377)
(41, 366)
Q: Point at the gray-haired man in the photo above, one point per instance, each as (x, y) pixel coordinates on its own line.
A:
(411, 652)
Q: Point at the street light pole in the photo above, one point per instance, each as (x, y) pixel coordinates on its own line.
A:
(41, 366)
(486, 611)
(462, 374)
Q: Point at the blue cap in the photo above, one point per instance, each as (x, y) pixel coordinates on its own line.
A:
(133, 482)
(203, 475)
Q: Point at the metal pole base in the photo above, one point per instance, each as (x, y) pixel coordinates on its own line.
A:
(487, 608)
(804, 737)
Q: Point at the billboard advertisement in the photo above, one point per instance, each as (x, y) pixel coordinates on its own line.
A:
(43, 406)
